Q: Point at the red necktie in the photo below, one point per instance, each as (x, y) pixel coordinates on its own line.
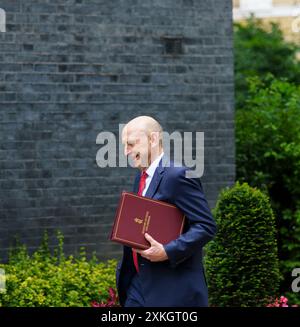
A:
(142, 185)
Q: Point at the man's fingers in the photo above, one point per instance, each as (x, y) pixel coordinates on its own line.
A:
(150, 239)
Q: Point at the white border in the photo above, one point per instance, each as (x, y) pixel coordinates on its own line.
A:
(278, 11)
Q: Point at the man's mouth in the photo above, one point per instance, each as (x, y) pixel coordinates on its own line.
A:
(137, 157)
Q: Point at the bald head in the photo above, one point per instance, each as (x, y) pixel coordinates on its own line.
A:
(142, 137)
(145, 124)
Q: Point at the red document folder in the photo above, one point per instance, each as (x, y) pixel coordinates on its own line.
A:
(137, 215)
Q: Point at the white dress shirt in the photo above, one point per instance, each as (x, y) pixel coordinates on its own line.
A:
(150, 172)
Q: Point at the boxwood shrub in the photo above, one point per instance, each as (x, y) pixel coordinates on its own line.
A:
(242, 263)
(46, 279)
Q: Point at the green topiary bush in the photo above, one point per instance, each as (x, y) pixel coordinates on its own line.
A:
(52, 280)
(268, 156)
(241, 263)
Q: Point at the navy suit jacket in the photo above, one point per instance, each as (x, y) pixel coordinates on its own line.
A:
(180, 280)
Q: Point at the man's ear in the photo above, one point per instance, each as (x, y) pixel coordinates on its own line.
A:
(154, 138)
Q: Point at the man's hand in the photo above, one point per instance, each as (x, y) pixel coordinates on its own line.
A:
(155, 253)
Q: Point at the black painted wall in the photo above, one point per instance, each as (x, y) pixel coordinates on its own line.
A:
(71, 69)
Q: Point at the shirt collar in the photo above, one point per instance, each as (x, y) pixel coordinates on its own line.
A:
(151, 169)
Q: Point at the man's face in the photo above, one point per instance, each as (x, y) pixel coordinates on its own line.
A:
(137, 147)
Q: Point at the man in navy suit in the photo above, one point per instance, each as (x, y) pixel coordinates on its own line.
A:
(169, 275)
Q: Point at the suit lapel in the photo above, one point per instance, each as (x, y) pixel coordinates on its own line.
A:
(157, 177)
(155, 182)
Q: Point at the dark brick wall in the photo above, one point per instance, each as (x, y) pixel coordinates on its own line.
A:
(70, 69)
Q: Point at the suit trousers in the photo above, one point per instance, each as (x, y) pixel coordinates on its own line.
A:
(134, 294)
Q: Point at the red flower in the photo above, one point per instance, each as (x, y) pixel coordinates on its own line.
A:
(282, 303)
(112, 300)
